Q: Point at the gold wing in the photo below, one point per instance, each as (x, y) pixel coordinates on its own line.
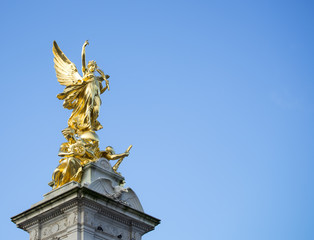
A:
(66, 71)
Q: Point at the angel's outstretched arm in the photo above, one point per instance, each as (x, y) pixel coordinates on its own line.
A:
(104, 89)
(83, 57)
(105, 77)
(116, 156)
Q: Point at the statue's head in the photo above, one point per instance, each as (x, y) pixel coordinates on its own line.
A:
(91, 66)
(110, 150)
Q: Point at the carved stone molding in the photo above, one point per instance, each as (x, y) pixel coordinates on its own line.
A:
(80, 211)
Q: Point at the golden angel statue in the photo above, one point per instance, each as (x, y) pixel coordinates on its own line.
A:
(82, 94)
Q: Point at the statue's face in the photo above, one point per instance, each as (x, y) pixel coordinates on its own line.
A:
(92, 68)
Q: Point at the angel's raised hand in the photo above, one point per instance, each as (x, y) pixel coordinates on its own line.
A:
(107, 84)
(86, 43)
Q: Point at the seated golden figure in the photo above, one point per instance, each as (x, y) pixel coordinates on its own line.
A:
(75, 153)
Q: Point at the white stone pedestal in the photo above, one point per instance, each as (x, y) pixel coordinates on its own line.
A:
(87, 211)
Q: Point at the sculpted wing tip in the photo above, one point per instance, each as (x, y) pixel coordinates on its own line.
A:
(66, 71)
(59, 54)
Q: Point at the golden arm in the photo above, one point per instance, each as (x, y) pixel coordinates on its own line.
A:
(105, 78)
(117, 156)
(83, 57)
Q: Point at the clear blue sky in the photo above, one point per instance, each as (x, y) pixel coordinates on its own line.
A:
(216, 97)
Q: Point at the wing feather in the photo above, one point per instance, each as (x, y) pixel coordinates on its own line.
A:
(66, 71)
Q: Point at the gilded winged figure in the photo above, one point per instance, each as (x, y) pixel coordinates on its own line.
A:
(82, 94)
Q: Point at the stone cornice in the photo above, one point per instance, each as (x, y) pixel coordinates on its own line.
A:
(82, 196)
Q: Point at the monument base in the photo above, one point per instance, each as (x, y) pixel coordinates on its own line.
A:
(87, 211)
